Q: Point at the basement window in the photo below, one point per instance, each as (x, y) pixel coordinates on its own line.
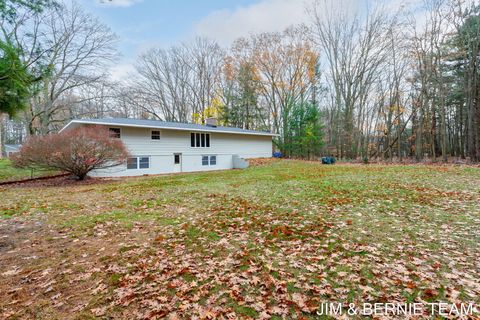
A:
(132, 163)
(199, 140)
(213, 160)
(204, 160)
(209, 160)
(138, 163)
(143, 162)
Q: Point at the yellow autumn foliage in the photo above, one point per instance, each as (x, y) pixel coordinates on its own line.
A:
(214, 110)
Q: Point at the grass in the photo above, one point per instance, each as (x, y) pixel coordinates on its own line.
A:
(8, 173)
(275, 240)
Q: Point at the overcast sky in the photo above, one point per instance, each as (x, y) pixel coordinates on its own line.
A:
(142, 24)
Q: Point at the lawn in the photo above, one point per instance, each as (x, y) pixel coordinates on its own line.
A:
(8, 173)
(269, 242)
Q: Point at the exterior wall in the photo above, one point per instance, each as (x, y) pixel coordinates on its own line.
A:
(161, 152)
(10, 151)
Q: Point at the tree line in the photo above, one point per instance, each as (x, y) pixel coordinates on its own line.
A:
(356, 83)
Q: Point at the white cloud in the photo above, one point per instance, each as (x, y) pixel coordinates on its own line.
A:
(264, 16)
(118, 3)
(226, 25)
(122, 72)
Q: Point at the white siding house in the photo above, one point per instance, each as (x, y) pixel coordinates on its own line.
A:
(165, 147)
(11, 149)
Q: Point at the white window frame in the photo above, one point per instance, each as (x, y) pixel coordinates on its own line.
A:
(209, 160)
(159, 135)
(138, 162)
(195, 140)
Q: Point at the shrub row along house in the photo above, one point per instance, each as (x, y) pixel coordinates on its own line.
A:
(166, 147)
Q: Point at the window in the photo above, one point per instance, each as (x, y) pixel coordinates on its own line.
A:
(213, 160)
(114, 132)
(176, 159)
(209, 160)
(155, 135)
(138, 163)
(132, 163)
(199, 140)
(204, 160)
(144, 162)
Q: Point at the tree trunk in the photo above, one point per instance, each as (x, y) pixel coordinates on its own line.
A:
(2, 137)
(477, 129)
(471, 139)
(419, 137)
(443, 135)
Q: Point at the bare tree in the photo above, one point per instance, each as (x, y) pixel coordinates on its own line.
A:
(82, 45)
(284, 64)
(71, 48)
(206, 62)
(355, 49)
(179, 81)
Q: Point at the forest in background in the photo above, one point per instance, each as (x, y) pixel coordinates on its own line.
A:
(357, 84)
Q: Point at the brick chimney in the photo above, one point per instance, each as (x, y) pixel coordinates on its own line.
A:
(211, 122)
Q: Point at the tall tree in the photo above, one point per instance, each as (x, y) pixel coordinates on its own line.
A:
(466, 57)
(355, 49)
(244, 110)
(181, 81)
(15, 77)
(304, 138)
(80, 46)
(15, 80)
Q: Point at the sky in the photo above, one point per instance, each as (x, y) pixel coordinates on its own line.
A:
(143, 24)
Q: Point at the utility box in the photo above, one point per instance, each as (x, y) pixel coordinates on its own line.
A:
(239, 163)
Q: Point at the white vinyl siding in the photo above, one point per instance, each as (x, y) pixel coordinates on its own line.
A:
(161, 153)
(138, 142)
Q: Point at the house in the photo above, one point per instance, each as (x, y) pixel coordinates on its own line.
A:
(11, 149)
(165, 147)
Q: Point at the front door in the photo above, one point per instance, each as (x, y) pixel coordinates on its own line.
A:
(177, 162)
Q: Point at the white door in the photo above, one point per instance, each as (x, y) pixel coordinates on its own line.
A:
(177, 162)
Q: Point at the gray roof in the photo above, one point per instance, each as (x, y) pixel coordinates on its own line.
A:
(126, 122)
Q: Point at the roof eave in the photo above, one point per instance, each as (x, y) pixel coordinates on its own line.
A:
(166, 128)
